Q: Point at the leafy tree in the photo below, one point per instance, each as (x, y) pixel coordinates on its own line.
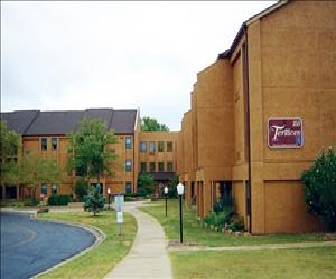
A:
(146, 184)
(91, 157)
(9, 143)
(94, 201)
(172, 184)
(320, 188)
(34, 170)
(151, 124)
(81, 187)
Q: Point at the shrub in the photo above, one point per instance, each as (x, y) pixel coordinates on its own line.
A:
(59, 200)
(237, 223)
(210, 218)
(94, 201)
(320, 188)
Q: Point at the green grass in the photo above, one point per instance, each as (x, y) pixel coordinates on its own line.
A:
(101, 259)
(194, 232)
(287, 263)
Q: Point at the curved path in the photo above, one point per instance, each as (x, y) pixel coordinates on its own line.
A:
(30, 246)
(148, 257)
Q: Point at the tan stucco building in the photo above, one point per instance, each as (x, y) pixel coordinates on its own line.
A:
(260, 114)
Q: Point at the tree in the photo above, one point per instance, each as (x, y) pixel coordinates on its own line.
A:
(34, 170)
(172, 184)
(320, 188)
(94, 201)
(151, 124)
(81, 187)
(90, 147)
(9, 143)
(146, 184)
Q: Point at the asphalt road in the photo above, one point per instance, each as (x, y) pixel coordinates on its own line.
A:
(32, 246)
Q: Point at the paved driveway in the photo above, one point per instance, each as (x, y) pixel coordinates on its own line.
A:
(31, 246)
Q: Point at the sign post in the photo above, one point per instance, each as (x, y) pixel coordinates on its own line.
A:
(118, 203)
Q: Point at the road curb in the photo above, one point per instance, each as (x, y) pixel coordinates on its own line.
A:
(97, 233)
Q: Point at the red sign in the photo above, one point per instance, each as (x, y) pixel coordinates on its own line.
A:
(285, 132)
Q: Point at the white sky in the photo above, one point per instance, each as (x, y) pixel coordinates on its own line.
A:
(126, 55)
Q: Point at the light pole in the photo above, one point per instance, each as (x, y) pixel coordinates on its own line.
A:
(109, 195)
(180, 192)
(166, 193)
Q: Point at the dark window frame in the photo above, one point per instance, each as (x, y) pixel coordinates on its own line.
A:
(128, 165)
(143, 146)
(128, 142)
(44, 144)
(54, 144)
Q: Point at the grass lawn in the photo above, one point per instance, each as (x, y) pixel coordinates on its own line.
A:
(97, 262)
(193, 232)
(288, 263)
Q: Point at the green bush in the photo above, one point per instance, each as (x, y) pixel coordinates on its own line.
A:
(59, 200)
(320, 188)
(210, 218)
(237, 223)
(94, 201)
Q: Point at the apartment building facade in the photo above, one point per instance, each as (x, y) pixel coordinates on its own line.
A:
(259, 116)
(46, 133)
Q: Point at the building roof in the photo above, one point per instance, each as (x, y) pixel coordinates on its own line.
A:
(35, 122)
(246, 23)
(19, 120)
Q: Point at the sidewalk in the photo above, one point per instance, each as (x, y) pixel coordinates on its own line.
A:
(148, 257)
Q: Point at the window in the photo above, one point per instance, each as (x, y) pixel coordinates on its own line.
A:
(128, 165)
(44, 144)
(152, 167)
(161, 146)
(54, 144)
(161, 166)
(128, 143)
(143, 146)
(128, 187)
(152, 146)
(169, 146)
(143, 166)
(169, 166)
(44, 189)
(54, 189)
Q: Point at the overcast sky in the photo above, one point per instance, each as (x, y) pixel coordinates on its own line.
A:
(126, 55)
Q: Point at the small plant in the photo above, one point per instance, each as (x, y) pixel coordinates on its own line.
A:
(237, 223)
(210, 218)
(94, 201)
(320, 188)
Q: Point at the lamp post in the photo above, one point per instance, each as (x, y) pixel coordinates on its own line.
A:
(109, 195)
(180, 192)
(166, 193)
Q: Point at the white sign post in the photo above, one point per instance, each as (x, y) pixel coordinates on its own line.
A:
(118, 203)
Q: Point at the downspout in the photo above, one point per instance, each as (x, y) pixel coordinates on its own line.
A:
(247, 80)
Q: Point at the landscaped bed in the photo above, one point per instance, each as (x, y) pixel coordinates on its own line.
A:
(195, 233)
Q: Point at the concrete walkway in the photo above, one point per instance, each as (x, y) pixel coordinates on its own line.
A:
(256, 247)
(148, 257)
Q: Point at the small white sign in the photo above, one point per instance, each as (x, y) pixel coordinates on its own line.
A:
(119, 217)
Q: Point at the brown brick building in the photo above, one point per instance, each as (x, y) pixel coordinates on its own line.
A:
(260, 114)
(45, 133)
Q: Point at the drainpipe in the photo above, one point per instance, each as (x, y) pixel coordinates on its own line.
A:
(247, 92)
